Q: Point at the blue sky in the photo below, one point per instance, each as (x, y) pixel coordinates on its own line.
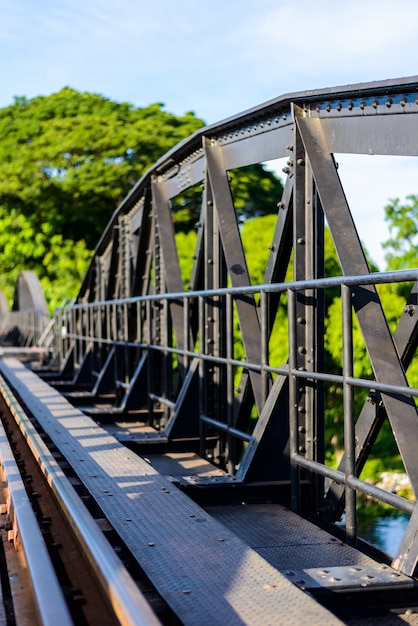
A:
(217, 58)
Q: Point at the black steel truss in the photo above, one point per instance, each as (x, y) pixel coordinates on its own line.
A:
(193, 392)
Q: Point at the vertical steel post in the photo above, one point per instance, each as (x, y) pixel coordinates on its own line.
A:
(349, 426)
(230, 381)
(202, 375)
(186, 333)
(149, 308)
(293, 399)
(264, 319)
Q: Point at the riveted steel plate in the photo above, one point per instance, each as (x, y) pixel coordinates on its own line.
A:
(206, 573)
(187, 468)
(353, 578)
(135, 432)
(286, 540)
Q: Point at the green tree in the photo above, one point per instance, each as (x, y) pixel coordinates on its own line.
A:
(66, 162)
(59, 263)
(402, 246)
(70, 158)
(255, 192)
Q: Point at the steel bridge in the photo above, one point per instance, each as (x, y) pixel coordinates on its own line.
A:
(195, 441)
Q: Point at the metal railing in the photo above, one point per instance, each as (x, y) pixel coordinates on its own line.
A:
(130, 324)
(24, 327)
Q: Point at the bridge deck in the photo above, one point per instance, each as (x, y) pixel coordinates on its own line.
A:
(226, 564)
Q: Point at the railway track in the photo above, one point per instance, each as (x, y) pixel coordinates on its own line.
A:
(59, 564)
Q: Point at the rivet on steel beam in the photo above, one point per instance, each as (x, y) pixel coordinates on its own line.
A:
(302, 350)
(362, 105)
(403, 102)
(301, 162)
(339, 106)
(272, 247)
(301, 320)
(289, 147)
(389, 103)
(328, 108)
(281, 205)
(350, 106)
(375, 104)
(301, 241)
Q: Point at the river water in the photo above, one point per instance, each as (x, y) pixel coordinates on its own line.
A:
(384, 532)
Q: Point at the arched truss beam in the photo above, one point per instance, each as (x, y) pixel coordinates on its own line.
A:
(137, 255)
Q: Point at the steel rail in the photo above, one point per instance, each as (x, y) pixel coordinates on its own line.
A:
(124, 597)
(47, 594)
(398, 502)
(373, 278)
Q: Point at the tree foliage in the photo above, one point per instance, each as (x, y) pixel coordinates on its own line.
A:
(70, 158)
(59, 263)
(66, 162)
(402, 246)
(255, 191)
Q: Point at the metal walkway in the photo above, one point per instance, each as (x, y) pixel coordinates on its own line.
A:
(205, 572)
(226, 564)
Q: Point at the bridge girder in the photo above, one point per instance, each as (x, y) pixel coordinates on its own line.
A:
(137, 256)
